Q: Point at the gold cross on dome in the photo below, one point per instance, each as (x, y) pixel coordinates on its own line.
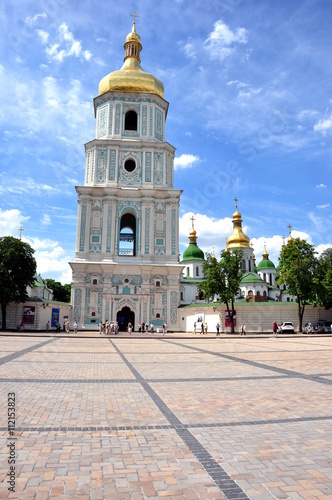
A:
(290, 229)
(134, 15)
(236, 200)
(192, 221)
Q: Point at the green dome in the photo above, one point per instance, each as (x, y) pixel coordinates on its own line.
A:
(266, 264)
(193, 252)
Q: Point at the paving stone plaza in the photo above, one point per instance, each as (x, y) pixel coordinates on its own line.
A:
(176, 417)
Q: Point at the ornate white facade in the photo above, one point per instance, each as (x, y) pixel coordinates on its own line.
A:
(126, 265)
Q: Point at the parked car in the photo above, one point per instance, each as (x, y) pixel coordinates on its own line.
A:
(310, 328)
(286, 327)
(324, 326)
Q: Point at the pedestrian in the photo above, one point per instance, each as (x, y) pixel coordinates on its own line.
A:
(151, 328)
(67, 326)
(217, 328)
(130, 328)
(164, 328)
(275, 328)
(206, 328)
(75, 328)
(146, 328)
(243, 329)
(202, 328)
(47, 326)
(99, 326)
(194, 327)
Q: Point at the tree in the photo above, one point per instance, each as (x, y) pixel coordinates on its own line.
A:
(17, 271)
(222, 279)
(61, 292)
(323, 279)
(298, 266)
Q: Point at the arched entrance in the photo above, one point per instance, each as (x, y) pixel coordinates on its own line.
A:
(124, 317)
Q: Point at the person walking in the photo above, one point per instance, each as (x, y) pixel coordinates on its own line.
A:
(217, 328)
(75, 328)
(206, 328)
(275, 328)
(243, 329)
(164, 328)
(202, 328)
(146, 328)
(194, 328)
(47, 326)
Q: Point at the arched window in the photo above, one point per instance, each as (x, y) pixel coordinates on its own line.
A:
(243, 264)
(157, 283)
(158, 315)
(131, 120)
(94, 282)
(197, 271)
(127, 240)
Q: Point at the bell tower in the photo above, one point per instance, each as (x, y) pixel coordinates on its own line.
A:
(127, 245)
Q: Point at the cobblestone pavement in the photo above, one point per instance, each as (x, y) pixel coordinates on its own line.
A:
(180, 418)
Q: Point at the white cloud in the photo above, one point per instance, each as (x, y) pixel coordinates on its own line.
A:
(186, 161)
(320, 186)
(44, 36)
(222, 41)
(323, 125)
(326, 205)
(32, 20)
(66, 46)
(321, 248)
(211, 232)
(10, 222)
(45, 220)
(52, 259)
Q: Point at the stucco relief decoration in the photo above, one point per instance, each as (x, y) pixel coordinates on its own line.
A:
(77, 304)
(118, 279)
(174, 279)
(102, 121)
(160, 207)
(144, 119)
(125, 302)
(130, 178)
(159, 125)
(101, 166)
(108, 277)
(135, 206)
(146, 279)
(78, 277)
(174, 305)
(158, 169)
(91, 276)
(97, 204)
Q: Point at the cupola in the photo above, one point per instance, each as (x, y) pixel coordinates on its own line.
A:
(131, 77)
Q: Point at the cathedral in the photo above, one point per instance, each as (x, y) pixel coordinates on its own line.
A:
(126, 265)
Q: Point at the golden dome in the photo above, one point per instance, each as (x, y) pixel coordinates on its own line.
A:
(131, 77)
(237, 239)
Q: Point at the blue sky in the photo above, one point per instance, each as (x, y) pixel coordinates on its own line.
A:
(249, 86)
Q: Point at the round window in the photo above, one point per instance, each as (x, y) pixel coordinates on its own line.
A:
(130, 165)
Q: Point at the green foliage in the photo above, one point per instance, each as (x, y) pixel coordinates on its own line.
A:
(298, 267)
(61, 292)
(17, 271)
(323, 279)
(222, 278)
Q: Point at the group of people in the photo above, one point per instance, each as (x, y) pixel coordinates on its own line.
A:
(145, 327)
(108, 328)
(203, 329)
